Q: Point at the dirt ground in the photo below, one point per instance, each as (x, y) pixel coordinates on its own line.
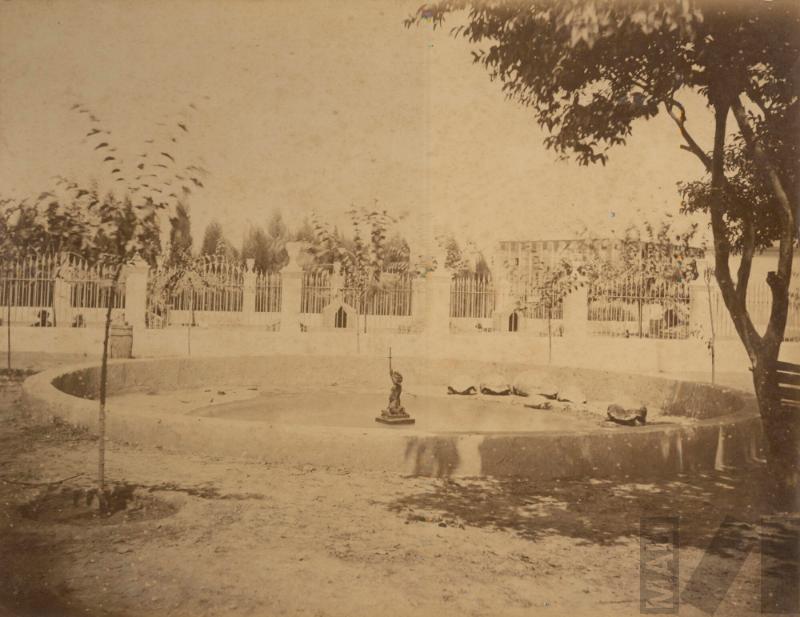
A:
(212, 537)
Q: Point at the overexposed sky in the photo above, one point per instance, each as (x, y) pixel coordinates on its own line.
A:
(312, 105)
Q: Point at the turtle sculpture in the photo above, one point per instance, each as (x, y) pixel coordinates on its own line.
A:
(495, 384)
(571, 394)
(536, 401)
(462, 384)
(627, 416)
(533, 383)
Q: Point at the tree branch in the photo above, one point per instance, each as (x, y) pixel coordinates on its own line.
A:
(778, 281)
(736, 307)
(691, 145)
(748, 250)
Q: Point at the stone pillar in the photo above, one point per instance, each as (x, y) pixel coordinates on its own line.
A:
(437, 298)
(291, 289)
(62, 302)
(699, 316)
(249, 292)
(337, 283)
(136, 293)
(419, 300)
(576, 313)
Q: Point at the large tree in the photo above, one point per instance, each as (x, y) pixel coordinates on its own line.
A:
(588, 69)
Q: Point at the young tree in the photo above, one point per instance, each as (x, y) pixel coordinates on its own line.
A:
(589, 68)
(362, 258)
(112, 228)
(184, 275)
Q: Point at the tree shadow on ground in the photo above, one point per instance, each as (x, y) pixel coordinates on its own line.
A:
(609, 512)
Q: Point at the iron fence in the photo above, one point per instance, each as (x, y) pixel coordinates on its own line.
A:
(392, 298)
(759, 306)
(268, 292)
(315, 293)
(636, 306)
(471, 295)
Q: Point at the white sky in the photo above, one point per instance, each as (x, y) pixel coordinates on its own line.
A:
(313, 105)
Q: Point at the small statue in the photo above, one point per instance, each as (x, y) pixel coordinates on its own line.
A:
(394, 413)
(395, 408)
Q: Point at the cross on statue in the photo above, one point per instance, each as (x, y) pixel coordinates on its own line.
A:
(390, 360)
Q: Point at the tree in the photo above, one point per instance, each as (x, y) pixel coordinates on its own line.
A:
(180, 234)
(361, 258)
(211, 238)
(256, 246)
(588, 69)
(304, 233)
(185, 275)
(110, 228)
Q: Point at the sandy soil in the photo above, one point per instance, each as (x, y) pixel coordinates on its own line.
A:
(238, 538)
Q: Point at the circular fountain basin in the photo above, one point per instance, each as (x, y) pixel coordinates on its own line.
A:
(321, 411)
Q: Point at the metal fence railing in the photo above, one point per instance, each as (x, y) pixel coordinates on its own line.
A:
(391, 298)
(634, 306)
(471, 295)
(759, 306)
(268, 292)
(58, 290)
(315, 293)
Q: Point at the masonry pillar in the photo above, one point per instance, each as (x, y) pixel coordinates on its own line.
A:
(291, 289)
(501, 280)
(576, 313)
(337, 283)
(249, 292)
(699, 310)
(419, 300)
(62, 301)
(437, 298)
(135, 276)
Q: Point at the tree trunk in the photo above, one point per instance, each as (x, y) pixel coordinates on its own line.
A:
(8, 324)
(101, 420)
(712, 343)
(781, 429)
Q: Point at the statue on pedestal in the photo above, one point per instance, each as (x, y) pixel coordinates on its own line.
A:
(394, 413)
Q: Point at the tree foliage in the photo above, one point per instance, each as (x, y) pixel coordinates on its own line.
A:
(589, 69)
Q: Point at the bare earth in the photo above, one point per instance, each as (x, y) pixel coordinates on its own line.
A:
(217, 537)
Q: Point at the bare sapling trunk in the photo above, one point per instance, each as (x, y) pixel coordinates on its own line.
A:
(101, 419)
(189, 329)
(8, 324)
(549, 335)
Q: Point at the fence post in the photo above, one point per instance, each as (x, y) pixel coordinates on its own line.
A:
(419, 300)
(699, 314)
(576, 313)
(249, 292)
(62, 298)
(437, 299)
(135, 276)
(337, 283)
(291, 289)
